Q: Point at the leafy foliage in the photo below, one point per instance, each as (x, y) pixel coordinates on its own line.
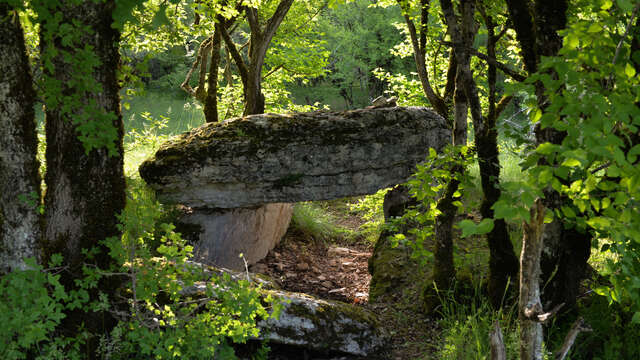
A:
(427, 186)
(592, 92)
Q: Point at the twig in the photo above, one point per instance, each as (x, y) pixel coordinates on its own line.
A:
(578, 326)
(548, 315)
(626, 31)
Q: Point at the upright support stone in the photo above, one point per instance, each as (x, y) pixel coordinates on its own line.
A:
(224, 234)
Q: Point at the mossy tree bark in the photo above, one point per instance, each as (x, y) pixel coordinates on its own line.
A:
(566, 251)
(85, 191)
(19, 178)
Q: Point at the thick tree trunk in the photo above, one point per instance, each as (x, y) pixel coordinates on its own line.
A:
(85, 191)
(19, 178)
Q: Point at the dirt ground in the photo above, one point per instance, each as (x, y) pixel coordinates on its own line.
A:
(337, 270)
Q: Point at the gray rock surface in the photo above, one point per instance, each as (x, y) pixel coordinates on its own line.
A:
(225, 234)
(308, 322)
(326, 326)
(270, 158)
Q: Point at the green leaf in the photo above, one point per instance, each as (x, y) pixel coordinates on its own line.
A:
(568, 212)
(485, 226)
(594, 28)
(636, 318)
(571, 162)
(546, 148)
(571, 41)
(536, 115)
(629, 70)
(468, 227)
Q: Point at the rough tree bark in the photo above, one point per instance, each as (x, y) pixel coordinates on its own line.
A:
(566, 251)
(19, 178)
(85, 191)
(503, 263)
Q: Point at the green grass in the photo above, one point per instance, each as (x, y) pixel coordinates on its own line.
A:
(182, 113)
(315, 222)
(466, 322)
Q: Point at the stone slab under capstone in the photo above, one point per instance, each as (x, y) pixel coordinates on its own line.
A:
(287, 158)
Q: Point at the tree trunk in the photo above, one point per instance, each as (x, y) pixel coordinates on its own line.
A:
(530, 306)
(503, 263)
(564, 259)
(85, 191)
(211, 100)
(19, 178)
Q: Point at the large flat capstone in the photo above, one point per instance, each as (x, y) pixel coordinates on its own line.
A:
(271, 158)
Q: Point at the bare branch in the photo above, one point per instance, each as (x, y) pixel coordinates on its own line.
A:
(578, 326)
(273, 70)
(419, 55)
(276, 19)
(202, 51)
(502, 104)
(543, 318)
(626, 31)
(233, 50)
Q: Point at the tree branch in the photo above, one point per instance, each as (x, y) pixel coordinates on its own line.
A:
(201, 59)
(626, 31)
(419, 56)
(502, 104)
(233, 50)
(514, 74)
(252, 18)
(276, 19)
(578, 326)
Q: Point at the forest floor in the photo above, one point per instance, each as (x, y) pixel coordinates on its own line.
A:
(337, 269)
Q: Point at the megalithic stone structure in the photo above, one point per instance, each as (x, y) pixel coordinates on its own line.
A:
(286, 158)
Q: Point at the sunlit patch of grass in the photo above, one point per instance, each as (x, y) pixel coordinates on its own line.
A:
(466, 324)
(314, 222)
(183, 112)
(369, 208)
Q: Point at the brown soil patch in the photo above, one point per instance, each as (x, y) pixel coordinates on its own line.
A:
(328, 271)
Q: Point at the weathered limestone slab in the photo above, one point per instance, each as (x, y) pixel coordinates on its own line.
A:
(225, 234)
(270, 158)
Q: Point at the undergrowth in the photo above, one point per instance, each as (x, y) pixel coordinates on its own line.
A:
(314, 222)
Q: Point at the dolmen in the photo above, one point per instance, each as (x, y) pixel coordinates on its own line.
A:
(240, 177)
